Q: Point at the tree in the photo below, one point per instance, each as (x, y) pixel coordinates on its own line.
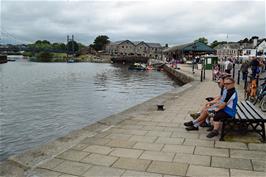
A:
(72, 47)
(100, 42)
(202, 39)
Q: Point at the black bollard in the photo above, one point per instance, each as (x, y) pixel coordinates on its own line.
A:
(246, 83)
(204, 73)
(257, 80)
(201, 73)
(233, 71)
(238, 77)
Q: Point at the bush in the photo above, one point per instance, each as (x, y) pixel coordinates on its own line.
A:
(44, 57)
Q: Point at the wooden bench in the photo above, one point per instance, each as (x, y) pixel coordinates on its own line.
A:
(248, 118)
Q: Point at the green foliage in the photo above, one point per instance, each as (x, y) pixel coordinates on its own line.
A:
(44, 57)
(27, 54)
(100, 42)
(72, 47)
(203, 40)
(216, 43)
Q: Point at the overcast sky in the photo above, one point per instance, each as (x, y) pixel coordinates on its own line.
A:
(163, 21)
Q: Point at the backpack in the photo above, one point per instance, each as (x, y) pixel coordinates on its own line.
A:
(230, 66)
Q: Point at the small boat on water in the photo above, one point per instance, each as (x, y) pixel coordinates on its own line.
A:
(71, 61)
(3, 59)
(137, 67)
(12, 60)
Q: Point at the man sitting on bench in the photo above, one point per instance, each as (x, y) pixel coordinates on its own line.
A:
(193, 125)
(227, 108)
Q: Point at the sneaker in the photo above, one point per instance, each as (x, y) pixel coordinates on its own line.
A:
(191, 128)
(195, 115)
(210, 129)
(213, 134)
(190, 123)
(204, 124)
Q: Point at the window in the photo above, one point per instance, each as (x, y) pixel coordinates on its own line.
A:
(122, 46)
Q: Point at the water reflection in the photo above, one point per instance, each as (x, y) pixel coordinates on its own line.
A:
(42, 101)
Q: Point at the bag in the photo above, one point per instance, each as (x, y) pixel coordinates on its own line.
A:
(258, 70)
(230, 66)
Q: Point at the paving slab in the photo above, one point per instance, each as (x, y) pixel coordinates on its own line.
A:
(42, 173)
(211, 151)
(256, 146)
(245, 173)
(185, 135)
(231, 145)
(178, 148)
(99, 171)
(166, 140)
(148, 139)
(99, 159)
(148, 146)
(80, 147)
(73, 155)
(128, 132)
(168, 168)
(161, 156)
(223, 162)
(98, 149)
(123, 152)
(242, 154)
(95, 141)
(197, 142)
(259, 165)
(121, 143)
(72, 168)
(132, 164)
(193, 159)
(159, 133)
(201, 171)
(65, 175)
(51, 163)
(118, 136)
(130, 173)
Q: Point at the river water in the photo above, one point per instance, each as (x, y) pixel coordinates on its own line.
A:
(43, 101)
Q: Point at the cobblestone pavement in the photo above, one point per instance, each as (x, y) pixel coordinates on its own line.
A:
(156, 144)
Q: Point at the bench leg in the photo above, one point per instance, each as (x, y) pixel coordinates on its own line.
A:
(223, 130)
(263, 132)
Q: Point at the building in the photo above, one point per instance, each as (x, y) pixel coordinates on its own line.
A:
(188, 51)
(248, 48)
(135, 48)
(228, 50)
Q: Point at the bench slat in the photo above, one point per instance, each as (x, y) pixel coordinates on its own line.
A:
(240, 113)
(253, 113)
(256, 110)
(247, 115)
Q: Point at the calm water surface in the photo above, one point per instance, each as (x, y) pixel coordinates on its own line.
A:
(42, 101)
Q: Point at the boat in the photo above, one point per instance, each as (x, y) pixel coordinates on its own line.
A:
(137, 67)
(71, 61)
(3, 59)
(11, 60)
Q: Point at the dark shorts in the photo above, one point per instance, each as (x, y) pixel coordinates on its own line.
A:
(220, 116)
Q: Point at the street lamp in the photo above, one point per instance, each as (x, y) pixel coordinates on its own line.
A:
(194, 48)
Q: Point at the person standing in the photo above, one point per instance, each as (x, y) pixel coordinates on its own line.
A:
(228, 66)
(254, 66)
(244, 69)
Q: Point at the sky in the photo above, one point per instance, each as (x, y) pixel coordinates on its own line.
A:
(162, 21)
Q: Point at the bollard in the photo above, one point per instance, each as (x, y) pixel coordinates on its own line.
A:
(233, 71)
(201, 72)
(238, 77)
(257, 80)
(246, 82)
(204, 73)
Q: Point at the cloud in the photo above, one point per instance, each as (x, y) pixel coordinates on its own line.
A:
(155, 21)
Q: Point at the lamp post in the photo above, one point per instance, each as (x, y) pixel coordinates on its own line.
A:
(193, 47)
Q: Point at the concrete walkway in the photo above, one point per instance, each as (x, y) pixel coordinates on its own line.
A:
(155, 143)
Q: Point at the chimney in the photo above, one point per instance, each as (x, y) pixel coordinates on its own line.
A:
(255, 41)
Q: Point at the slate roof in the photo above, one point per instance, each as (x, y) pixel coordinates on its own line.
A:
(153, 45)
(193, 46)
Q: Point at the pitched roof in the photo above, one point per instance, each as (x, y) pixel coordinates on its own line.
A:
(149, 44)
(193, 46)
